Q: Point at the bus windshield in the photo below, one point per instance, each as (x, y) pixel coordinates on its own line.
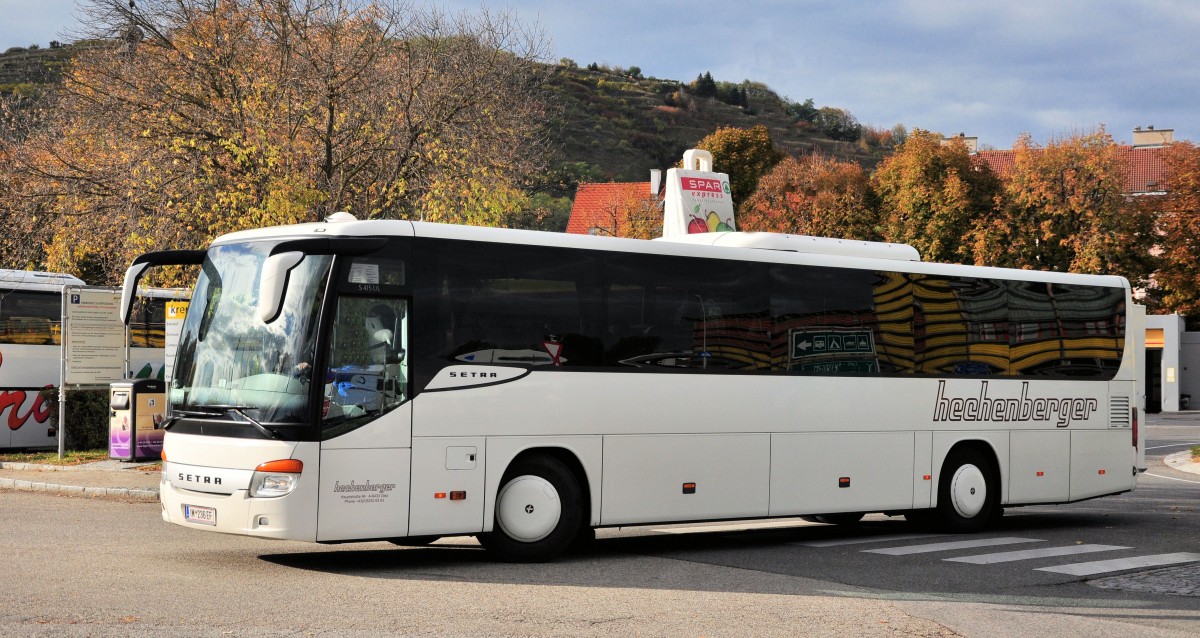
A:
(232, 365)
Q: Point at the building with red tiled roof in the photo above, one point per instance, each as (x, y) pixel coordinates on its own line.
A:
(601, 209)
(604, 209)
(1142, 161)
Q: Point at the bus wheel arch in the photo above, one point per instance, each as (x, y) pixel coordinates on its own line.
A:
(540, 508)
(969, 488)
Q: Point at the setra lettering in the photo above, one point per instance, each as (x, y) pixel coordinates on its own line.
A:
(473, 375)
(199, 478)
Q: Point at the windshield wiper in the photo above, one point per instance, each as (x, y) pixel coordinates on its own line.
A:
(218, 410)
(194, 412)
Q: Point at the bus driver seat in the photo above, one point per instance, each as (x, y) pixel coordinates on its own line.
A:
(381, 324)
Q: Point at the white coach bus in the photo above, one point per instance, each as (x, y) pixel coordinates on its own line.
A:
(393, 380)
(31, 350)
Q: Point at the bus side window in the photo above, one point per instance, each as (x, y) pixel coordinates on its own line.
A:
(670, 312)
(367, 363)
(30, 318)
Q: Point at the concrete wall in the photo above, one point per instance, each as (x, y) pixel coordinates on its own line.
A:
(1189, 361)
(1172, 371)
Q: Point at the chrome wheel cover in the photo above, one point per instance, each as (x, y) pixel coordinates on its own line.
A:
(528, 509)
(968, 491)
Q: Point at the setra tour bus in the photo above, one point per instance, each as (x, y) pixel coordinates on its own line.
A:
(394, 380)
(31, 311)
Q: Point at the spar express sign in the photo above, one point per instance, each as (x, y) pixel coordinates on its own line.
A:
(697, 202)
(707, 203)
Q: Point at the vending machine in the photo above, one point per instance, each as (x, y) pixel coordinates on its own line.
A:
(137, 408)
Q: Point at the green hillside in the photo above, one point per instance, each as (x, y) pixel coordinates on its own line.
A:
(623, 125)
(23, 69)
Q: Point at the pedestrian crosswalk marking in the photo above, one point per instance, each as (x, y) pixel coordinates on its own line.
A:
(1073, 569)
(1120, 564)
(951, 545)
(1026, 554)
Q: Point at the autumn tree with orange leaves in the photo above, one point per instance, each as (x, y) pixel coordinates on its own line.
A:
(202, 117)
(1067, 211)
(1177, 281)
(813, 195)
(931, 194)
(745, 155)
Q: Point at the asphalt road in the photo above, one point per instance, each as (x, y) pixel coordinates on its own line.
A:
(84, 567)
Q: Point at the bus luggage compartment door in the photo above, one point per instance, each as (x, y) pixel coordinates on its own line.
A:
(685, 477)
(447, 486)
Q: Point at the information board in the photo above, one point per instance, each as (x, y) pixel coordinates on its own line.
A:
(93, 343)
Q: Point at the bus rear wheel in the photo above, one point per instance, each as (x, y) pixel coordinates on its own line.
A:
(539, 512)
(968, 493)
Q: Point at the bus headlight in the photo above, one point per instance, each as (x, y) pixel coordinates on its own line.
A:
(275, 478)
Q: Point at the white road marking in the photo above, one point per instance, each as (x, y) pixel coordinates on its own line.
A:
(1170, 478)
(952, 545)
(882, 538)
(1025, 554)
(1159, 447)
(1119, 564)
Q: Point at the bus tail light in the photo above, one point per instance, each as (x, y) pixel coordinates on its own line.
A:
(276, 478)
(1135, 426)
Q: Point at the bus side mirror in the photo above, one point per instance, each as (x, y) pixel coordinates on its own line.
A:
(146, 260)
(272, 285)
(129, 288)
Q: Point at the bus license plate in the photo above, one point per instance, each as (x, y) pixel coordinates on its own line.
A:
(198, 514)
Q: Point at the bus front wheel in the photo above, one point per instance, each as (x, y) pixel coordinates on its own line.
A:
(539, 512)
(968, 492)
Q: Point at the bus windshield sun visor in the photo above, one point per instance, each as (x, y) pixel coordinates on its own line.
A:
(144, 262)
(272, 283)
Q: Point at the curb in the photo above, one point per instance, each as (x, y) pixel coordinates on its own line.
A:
(1182, 461)
(95, 465)
(76, 490)
(24, 485)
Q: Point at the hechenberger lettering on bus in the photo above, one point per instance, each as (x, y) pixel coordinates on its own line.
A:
(983, 407)
(368, 486)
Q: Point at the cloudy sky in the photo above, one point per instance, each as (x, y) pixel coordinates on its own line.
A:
(989, 68)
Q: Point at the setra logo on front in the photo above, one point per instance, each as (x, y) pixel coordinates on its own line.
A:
(199, 478)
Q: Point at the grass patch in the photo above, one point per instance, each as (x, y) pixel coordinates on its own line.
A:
(75, 457)
(1196, 453)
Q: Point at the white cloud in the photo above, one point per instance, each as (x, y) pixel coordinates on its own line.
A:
(992, 68)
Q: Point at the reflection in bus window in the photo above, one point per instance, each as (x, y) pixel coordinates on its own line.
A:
(518, 305)
(687, 314)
